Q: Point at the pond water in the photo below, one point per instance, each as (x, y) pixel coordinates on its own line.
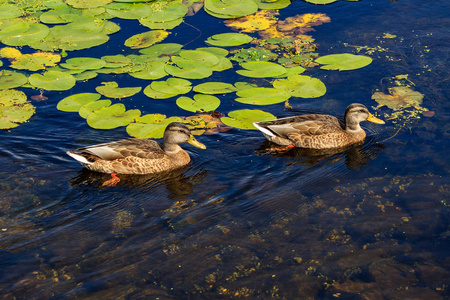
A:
(371, 222)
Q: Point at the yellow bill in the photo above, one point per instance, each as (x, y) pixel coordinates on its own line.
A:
(374, 119)
(195, 143)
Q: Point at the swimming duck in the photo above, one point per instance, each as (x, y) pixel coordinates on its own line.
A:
(139, 156)
(316, 131)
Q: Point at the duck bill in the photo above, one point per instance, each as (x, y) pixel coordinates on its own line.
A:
(374, 119)
(195, 143)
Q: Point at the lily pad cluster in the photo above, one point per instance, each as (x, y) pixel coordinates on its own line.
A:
(71, 25)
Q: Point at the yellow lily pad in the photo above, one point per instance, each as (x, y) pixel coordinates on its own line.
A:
(14, 108)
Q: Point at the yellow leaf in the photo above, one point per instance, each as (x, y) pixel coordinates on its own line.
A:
(400, 97)
(9, 52)
(258, 21)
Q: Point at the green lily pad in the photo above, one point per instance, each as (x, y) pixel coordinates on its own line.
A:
(245, 118)
(60, 15)
(10, 12)
(198, 57)
(201, 103)
(52, 81)
(343, 62)
(273, 5)
(229, 39)
(72, 37)
(227, 9)
(83, 63)
(90, 107)
(189, 70)
(87, 3)
(14, 108)
(214, 88)
(129, 11)
(167, 89)
(153, 70)
(73, 103)
(146, 39)
(150, 126)
(111, 90)
(84, 76)
(219, 52)
(161, 25)
(262, 69)
(161, 49)
(262, 96)
(116, 61)
(22, 34)
(11, 79)
(323, 2)
(301, 86)
(112, 117)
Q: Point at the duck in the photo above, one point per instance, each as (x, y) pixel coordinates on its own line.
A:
(139, 156)
(318, 131)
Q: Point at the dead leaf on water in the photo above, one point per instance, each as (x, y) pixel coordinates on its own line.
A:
(400, 97)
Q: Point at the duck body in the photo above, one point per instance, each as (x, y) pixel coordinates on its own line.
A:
(139, 156)
(318, 131)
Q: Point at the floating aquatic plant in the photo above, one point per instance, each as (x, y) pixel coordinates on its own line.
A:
(244, 118)
(112, 90)
(343, 62)
(14, 108)
(200, 103)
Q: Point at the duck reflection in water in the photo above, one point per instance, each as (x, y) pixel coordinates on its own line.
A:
(356, 156)
(176, 181)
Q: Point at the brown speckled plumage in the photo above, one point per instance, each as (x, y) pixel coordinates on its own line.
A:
(317, 131)
(139, 156)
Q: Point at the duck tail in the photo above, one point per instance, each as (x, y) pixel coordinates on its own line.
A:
(79, 158)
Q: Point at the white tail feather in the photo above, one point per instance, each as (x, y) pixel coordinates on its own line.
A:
(81, 159)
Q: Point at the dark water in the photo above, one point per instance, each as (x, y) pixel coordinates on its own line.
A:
(368, 223)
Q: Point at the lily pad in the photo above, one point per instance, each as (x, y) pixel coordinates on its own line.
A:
(201, 103)
(129, 11)
(111, 90)
(189, 70)
(229, 39)
(301, 86)
(83, 63)
(214, 88)
(35, 61)
(227, 9)
(153, 70)
(11, 79)
(90, 107)
(150, 126)
(87, 3)
(400, 97)
(262, 96)
(10, 11)
(343, 62)
(146, 39)
(167, 89)
(244, 118)
(112, 117)
(162, 49)
(22, 34)
(52, 81)
(261, 69)
(116, 61)
(198, 57)
(323, 2)
(73, 103)
(14, 108)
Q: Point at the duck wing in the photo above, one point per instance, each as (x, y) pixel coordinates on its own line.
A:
(141, 148)
(311, 125)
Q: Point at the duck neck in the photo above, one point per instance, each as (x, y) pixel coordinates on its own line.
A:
(352, 126)
(171, 148)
